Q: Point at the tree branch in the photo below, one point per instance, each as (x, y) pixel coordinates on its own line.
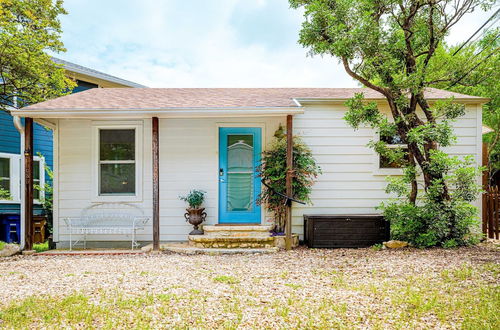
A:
(363, 80)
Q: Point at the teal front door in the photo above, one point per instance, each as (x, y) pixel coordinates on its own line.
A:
(239, 185)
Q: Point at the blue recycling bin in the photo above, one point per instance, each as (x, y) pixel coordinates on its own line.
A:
(10, 228)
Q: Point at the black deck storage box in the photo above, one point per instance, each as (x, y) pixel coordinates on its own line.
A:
(345, 231)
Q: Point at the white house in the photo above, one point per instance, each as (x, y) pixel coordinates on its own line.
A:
(103, 151)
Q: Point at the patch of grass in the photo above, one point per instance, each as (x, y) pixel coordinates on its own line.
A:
(293, 286)
(377, 247)
(463, 273)
(339, 294)
(74, 309)
(41, 247)
(2, 245)
(226, 279)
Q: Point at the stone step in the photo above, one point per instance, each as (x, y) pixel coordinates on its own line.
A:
(206, 241)
(237, 231)
(186, 248)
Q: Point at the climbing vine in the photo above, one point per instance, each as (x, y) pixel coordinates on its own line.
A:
(273, 168)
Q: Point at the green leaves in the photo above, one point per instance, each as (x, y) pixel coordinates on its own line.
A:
(194, 198)
(397, 49)
(28, 30)
(441, 133)
(362, 113)
(272, 170)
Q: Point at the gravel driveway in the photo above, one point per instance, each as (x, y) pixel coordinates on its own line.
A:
(301, 288)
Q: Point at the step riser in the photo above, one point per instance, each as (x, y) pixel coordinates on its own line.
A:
(233, 237)
(237, 234)
(211, 228)
(231, 241)
(227, 245)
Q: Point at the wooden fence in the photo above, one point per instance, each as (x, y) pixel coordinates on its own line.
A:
(491, 212)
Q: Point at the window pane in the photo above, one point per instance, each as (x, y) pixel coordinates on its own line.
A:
(36, 178)
(386, 163)
(395, 139)
(117, 179)
(117, 144)
(36, 171)
(240, 172)
(5, 177)
(4, 167)
(240, 191)
(240, 153)
(5, 184)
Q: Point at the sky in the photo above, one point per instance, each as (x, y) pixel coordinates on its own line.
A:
(204, 43)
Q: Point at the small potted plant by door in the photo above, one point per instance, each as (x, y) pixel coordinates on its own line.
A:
(195, 214)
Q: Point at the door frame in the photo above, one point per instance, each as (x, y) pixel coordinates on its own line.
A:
(258, 124)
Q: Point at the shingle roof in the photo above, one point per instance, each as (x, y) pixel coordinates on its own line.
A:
(199, 98)
(94, 73)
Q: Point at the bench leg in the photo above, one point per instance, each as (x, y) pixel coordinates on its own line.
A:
(133, 239)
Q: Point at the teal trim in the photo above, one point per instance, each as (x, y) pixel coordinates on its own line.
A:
(253, 215)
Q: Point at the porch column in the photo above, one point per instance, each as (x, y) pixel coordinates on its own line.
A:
(28, 182)
(156, 185)
(289, 173)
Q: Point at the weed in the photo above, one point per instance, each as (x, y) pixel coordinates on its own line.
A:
(226, 279)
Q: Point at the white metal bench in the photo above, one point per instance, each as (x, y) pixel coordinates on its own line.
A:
(107, 218)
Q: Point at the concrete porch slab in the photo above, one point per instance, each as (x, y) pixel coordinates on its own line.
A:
(88, 252)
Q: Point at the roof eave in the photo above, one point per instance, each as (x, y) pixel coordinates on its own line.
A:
(303, 100)
(103, 77)
(161, 113)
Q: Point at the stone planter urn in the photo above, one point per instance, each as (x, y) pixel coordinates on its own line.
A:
(195, 216)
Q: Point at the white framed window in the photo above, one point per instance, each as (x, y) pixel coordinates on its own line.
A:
(38, 178)
(10, 177)
(117, 162)
(383, 165)
(7, 177)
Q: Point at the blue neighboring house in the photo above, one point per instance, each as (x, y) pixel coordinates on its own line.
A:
(10, 140)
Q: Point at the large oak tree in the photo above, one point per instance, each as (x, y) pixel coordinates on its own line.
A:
(394, 47)
(390, 46)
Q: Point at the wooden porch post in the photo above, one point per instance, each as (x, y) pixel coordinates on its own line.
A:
(156, 186)
(28, 182)
(289, 190)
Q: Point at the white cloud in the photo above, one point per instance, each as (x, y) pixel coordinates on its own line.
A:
(223, 43)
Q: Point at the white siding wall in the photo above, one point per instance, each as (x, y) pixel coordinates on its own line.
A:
(189, 160)
(349, 183)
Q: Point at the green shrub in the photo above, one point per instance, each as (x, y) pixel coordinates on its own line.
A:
(41, 247)
(2, 244)
(432, 221)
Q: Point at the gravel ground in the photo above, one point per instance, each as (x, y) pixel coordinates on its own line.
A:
(352, 285)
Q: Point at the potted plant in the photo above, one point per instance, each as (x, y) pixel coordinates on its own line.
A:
(195, 214)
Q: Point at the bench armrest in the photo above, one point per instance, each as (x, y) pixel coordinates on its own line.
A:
(141, 221)
(72, 221)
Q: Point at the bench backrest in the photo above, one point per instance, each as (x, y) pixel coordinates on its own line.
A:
(112, 215)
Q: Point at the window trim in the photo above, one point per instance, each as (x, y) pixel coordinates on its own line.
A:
(96, 127)
(377, 170)
(15, 178)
